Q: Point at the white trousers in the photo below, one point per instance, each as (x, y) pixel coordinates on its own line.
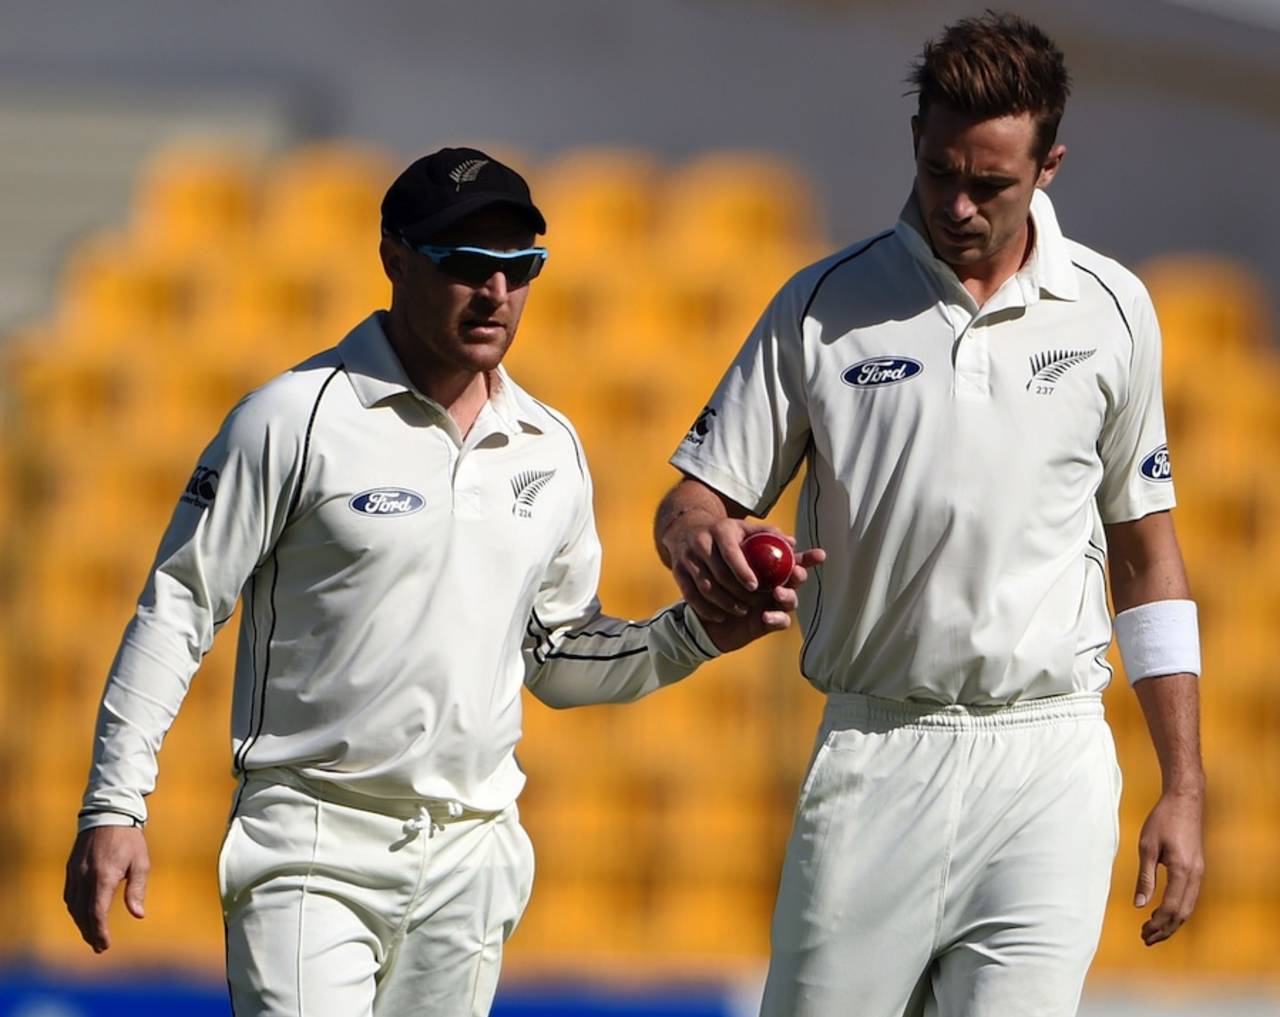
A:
(947, 861)
(335, 909)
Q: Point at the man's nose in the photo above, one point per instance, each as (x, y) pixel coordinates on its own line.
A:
(495, 288)
(959, 207)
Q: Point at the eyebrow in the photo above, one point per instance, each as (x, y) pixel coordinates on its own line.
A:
(985, 178)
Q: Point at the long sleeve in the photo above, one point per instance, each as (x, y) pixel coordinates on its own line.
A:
(224, 526)
(575, 655)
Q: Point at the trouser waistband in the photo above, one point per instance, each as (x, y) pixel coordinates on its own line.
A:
(852, 709)
(440, 810)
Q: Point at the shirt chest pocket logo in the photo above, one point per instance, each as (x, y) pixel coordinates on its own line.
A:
(880, 371)
(386, 501)
(1047, 368)
(526, 486)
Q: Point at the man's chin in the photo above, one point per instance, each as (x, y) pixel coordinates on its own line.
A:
(962, 255)
(482, 357)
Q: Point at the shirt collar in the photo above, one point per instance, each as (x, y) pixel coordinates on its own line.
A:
(376, 375)
(1047, 270)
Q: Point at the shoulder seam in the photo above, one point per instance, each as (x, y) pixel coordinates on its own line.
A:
(1110, 292)
(1119, 310)
(823, 278)
(577, 447)
(306, 443)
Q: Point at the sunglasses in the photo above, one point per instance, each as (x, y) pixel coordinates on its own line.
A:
(477, 265)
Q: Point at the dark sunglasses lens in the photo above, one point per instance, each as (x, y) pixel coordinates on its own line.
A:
(470, 267)
(477, 269)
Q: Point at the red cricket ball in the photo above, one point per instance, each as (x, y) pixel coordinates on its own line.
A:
(770, 558)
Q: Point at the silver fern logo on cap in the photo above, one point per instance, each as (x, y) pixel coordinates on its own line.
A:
(466, 172)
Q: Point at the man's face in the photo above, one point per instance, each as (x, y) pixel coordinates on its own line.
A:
(974, 182)
(460, 326)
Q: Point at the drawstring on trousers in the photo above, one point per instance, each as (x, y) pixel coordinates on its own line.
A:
(425, 820)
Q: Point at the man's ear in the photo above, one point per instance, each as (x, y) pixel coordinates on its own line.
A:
(395, 261)
(1052, 163)
(915, 135)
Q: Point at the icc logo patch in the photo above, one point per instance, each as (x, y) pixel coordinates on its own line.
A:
(201, 488)
(698, 432)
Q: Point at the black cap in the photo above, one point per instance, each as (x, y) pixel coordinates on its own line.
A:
(439, 189)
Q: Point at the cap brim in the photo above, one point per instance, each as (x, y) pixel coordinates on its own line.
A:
(426, 229)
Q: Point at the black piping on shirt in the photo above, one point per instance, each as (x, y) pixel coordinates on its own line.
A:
(261, 687)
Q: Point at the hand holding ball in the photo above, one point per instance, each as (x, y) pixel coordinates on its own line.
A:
(770, 557)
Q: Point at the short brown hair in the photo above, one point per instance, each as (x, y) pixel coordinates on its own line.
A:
(992, 66)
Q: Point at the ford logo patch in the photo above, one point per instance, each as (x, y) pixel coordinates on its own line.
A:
(386, 501)
(1157, 466)
(881, 371)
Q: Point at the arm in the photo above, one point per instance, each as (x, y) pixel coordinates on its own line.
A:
(223, 526)
(575, 655)
(738, 457)
(1146, 566)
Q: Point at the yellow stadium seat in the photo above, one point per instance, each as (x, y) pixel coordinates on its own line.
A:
(248, 295)
(1233, 937)
(703, 920)
(729, 207)
(710, 831)
(122, 294)
(1206, 305)
(194, 197)
(560, 741)
(325, 198)
(600, 831)
(600, 205)
(573, 919)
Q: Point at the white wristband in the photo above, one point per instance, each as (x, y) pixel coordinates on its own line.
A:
(1159, 638)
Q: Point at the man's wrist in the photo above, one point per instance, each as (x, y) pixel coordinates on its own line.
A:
(687, 514)
(1188, 785)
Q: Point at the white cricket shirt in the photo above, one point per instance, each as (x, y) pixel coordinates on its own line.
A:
(399, 584)
(961, 461)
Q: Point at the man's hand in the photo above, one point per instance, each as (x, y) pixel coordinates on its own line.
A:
(712, 573)
(1171, 837)
(101, 857)
(767, 611)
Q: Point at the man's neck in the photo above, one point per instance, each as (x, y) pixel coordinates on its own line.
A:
(461, 393)
(982, 281)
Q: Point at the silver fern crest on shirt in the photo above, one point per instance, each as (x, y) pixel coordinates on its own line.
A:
(465, 172)
(1047, 368)
(526, 486)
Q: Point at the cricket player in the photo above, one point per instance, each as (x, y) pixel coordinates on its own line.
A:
(977, 403)
(411, 537)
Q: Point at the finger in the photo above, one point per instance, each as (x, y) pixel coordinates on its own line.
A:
(1181, 895)
(1168, 916)
(785, 597)
(135, 890)
(100, 934)
(776, 621)
(81, 903)
(730, 565)
(813, 556)
(1146, 874)
(749, 527)
(1195, 876)
(702, 607)
(713, 589)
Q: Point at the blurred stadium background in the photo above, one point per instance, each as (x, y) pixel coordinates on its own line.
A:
(188, 204)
